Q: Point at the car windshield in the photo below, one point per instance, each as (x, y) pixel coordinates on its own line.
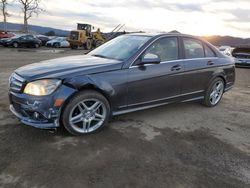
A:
(58, 39)
(120, 48)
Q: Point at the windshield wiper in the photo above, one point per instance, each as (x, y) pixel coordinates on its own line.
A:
(102, 56)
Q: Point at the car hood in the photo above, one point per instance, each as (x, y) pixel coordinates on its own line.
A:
(5, 39)
(68, 66)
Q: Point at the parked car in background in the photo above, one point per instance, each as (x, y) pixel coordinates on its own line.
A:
(59, 42)
(43, 39)
(23, 41)
(4, 34)
(242, 56)
(129, 73)
(4, 41)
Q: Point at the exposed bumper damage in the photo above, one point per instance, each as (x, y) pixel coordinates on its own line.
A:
(33, 122)
(39, 112)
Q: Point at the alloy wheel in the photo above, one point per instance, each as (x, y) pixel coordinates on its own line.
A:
(216, 92)
(87, 116)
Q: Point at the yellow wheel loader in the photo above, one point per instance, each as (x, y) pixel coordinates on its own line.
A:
(84, 36)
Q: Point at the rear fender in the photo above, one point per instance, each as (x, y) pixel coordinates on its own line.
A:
(225, 74)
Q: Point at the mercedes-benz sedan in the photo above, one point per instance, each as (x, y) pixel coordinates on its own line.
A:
(131, 72)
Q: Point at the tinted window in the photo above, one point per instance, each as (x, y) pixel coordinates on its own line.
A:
(30, 37)
(166, 49)
(23, 38)
(209, 52)
(193, 48)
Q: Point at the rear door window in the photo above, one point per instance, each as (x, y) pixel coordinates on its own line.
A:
(193, 48)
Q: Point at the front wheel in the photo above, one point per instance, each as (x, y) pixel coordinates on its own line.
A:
(86, 113)
(88, 45)
(57, 45)
(214, 92)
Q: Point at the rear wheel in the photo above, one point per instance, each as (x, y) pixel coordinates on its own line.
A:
(86, 113)
(214, 92)
(15, 45)
(37, 46)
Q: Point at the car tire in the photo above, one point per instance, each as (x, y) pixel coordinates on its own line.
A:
(86, 113)
(56, 45)
(37, 45)
(15, 45)
(214, 92)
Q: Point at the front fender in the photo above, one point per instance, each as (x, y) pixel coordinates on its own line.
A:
(89, 82)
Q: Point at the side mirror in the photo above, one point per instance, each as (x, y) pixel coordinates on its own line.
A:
(150, 59)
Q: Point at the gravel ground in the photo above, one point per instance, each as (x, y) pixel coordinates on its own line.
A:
(181, 145)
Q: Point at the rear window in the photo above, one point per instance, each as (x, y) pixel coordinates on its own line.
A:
(209, 52)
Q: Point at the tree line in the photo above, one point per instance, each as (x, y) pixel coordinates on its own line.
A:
(28, 9)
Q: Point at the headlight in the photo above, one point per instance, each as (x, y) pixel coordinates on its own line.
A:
(42, 87)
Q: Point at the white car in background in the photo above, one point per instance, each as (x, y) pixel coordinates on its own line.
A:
(227, 50)
(59, 42)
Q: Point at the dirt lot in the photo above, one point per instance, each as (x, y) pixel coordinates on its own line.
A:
(181, 145)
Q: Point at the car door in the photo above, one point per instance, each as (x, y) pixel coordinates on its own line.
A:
(199, 63)
(30, 41)
(156, 83)
(22, 41)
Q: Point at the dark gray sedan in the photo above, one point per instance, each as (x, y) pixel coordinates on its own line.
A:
(129, 73)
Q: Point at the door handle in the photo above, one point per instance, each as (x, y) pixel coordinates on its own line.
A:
(210, 63)
(176, 68)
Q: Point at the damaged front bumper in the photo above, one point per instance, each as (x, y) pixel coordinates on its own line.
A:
(40, 112)
(33, 122)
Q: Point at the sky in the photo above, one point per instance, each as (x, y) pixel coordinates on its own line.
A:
(196, 17)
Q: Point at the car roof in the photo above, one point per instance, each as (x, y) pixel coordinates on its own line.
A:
(161, 34)
(175, 34)
(169, 34)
